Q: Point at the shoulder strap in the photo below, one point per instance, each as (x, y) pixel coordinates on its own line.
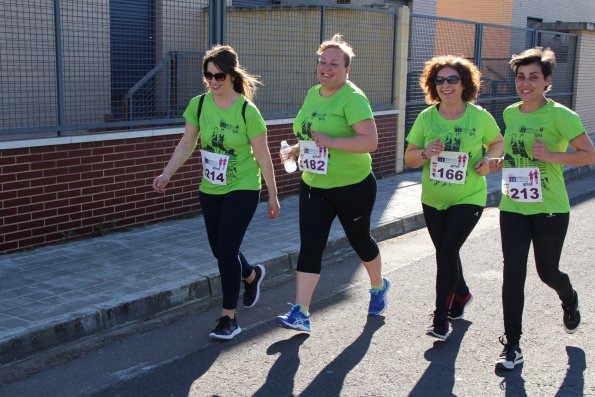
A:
(244, 106)
(201, 99)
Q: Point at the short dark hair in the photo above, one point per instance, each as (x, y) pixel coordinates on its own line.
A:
(469, 73)
(544, 57)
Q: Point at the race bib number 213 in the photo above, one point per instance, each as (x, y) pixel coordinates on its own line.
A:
(522, 184)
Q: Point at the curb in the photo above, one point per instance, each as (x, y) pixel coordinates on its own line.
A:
(203, 292)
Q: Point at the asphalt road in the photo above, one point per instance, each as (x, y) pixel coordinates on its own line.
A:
(349, 353)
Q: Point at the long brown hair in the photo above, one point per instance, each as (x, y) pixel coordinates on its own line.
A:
(226, 60)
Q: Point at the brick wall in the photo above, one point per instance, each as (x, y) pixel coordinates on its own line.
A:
(57, 192)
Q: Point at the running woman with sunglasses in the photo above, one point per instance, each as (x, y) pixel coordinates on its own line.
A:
(233, 138)
(534, 207)
(336, 132)
(453, 140)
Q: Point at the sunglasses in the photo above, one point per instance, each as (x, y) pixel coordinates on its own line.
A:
(218, 76)
(450, 80)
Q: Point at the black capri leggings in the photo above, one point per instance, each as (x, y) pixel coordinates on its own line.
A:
(227, 217)
(353, 205)
(449, 229)
(547, 232)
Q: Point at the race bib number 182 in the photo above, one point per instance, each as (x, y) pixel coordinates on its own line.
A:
(313, 158)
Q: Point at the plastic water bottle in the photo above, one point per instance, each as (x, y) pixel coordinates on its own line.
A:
(288, 163)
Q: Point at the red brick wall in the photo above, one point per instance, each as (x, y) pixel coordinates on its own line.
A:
(60, 192)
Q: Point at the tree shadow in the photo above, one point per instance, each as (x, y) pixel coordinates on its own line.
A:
(439, 377)
(574, 381)
(280, 380)
(329, 381)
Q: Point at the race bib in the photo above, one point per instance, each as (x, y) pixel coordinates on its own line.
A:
(449, 167)
(214, 167)
(522, 184)
(313, 158)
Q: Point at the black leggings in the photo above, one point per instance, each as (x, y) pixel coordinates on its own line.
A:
(449, 229)
(547, 232)
(353, 205)
(227, 217)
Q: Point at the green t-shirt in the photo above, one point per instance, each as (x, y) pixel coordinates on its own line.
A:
(467, 134)
(556, 125)
(334, 116)
(223, 131)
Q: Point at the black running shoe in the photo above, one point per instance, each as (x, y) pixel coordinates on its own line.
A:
(572, 316)
(440, 327)
(226, 328)
(252, 290)
(511, 355)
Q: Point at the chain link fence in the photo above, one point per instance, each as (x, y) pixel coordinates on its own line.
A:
(69, 67)
(490, 47)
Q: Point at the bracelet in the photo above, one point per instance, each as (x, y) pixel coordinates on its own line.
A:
(488, 158)
(423, 154)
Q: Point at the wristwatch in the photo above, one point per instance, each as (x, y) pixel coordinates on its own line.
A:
(488, 158)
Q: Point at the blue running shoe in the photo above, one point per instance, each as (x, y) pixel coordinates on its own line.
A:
(294, 319)
(378, 299)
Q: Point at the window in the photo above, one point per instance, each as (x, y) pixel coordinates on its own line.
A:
(533, 22)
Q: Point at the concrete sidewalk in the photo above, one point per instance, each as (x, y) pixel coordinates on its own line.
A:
(56, 294)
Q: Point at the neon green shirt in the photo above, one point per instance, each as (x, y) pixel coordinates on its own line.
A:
(556, 125)
(467, 134)
(334, 116)
(223, 131)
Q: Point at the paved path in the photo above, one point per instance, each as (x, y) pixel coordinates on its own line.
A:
(59, 293)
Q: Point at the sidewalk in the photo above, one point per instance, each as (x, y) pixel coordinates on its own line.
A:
(56, 294)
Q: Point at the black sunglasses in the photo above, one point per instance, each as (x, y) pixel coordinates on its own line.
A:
(218, 76)
(450, 79)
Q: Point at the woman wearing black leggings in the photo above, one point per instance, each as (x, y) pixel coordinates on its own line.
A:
(234, 153)
(534, 206)
(448, 139)
(336, 132)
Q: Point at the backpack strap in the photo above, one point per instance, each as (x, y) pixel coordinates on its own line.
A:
(244, 106)
(201, 99)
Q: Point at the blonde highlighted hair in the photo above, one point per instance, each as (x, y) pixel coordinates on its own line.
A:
(337, 42)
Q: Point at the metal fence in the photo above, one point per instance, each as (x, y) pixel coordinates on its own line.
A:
(490, 47)
(70, 67)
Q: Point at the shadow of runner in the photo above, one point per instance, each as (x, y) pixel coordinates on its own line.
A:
(439, 377)
(513, 383)
(574, 381)
(329, 381)
(175, 378)
(280, 380)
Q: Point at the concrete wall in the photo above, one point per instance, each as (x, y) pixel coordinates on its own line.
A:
(497, 12)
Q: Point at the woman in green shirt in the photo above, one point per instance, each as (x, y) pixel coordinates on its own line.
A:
(534, 207)
(448, 139)
(233, 139)
(336, 132)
